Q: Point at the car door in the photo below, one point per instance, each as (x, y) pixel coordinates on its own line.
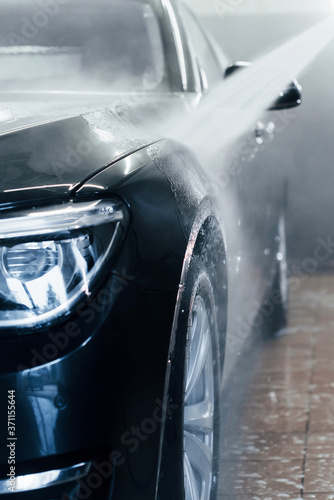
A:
(247, 195)
(245, 172)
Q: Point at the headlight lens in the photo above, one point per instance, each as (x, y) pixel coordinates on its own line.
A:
(50, 258)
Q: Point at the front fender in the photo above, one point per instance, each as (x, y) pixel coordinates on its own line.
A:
(165, 191)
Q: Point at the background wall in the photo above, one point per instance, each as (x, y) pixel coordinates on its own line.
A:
(246, 29)
(259, 7)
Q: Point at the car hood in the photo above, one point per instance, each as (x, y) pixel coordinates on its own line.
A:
(49, 149)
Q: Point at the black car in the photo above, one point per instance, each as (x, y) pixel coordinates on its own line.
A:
(117, 268)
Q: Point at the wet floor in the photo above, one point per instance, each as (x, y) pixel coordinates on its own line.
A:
(278, 440)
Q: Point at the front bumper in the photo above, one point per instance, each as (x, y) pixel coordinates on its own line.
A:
(85, 395)
(48, 479)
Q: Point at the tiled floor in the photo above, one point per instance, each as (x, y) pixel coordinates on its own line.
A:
(282, 445)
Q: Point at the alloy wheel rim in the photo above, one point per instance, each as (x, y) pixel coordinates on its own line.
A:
(282, 262)
(198, 420)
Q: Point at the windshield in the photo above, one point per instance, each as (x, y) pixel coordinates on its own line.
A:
(70, 45)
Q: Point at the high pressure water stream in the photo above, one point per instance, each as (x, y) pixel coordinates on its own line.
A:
(233, 107)
(226, 113)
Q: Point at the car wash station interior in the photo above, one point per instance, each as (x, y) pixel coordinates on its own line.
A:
(166, 249)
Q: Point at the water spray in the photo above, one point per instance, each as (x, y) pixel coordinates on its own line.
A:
(223, 115)
(233, 107)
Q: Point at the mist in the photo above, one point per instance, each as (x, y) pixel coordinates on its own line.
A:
(226, 113)
(210, 126)
(232, 108)
(59, 83)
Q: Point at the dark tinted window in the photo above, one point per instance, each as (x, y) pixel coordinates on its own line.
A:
(116, 45)
(209, 66)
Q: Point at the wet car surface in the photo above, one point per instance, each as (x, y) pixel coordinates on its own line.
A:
(117, 267)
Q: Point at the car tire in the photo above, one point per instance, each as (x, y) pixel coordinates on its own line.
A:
(279, 294)
(190, 458)
(201, 396)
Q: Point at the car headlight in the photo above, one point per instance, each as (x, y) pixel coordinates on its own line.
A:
(51, 257)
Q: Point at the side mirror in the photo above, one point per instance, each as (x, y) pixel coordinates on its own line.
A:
(235, 67)
(288, 98)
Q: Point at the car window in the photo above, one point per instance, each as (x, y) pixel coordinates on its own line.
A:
(114, 46)
(210, 69)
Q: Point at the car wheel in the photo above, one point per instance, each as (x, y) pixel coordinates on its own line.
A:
(190, 451)
(200, 405)
(279, 295)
